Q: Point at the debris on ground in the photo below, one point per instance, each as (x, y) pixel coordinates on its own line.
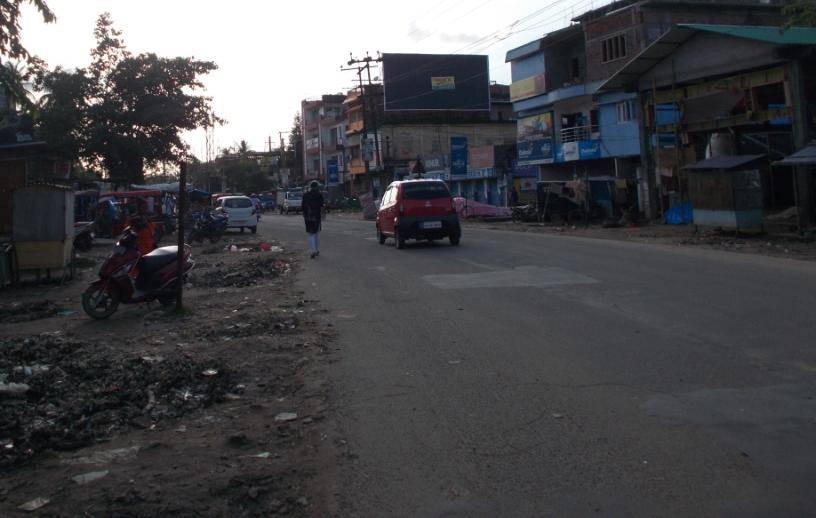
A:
(16, 312)
(89, 391)
(33, 505)
(87, 478)
(240, 275)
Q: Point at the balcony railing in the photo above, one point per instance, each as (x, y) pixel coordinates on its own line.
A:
(576, 133)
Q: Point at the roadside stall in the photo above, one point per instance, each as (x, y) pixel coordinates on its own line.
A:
(726, 192)
(43, 228)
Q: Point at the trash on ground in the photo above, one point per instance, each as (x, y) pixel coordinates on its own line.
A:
(13, 389)
(118, 455)
(285, 417)
(33, 505)
(87, 478)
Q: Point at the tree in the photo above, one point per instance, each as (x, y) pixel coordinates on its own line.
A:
(800, 13)
(125, 113)
(19, 66)
(11, 45)
(63, 110)
(296, 145)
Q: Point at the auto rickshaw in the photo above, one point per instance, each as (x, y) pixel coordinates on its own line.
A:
(123, 205)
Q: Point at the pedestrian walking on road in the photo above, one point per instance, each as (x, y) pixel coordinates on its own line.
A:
(312, 206)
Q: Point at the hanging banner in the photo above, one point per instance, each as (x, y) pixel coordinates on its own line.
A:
(332, 172)
(459, 156)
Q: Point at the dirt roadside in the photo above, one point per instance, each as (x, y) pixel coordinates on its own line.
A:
(219, 412)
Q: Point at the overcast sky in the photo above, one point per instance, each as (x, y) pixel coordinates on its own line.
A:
(273, 54)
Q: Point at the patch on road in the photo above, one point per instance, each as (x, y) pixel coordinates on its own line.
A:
(522, 277)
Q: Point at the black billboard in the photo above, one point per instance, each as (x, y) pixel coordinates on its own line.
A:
(436, 82)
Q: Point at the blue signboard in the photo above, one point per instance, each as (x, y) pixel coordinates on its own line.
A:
(589, 149)
(332, 172)
(459, 156)
(535, 149)
(525, 171)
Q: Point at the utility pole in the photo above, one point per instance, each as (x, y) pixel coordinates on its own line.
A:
(282, 161)
(182, 203)
(359, 65)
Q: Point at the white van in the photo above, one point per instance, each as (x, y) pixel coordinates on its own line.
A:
(240, 212)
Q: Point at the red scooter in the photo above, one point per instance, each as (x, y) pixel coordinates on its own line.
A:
(156, 279)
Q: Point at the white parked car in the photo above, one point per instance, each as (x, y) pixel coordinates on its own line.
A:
(240, 211)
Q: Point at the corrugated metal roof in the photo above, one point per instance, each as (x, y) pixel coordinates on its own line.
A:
(774, 35)
(806, 156)
(664, 46)
(724, 162)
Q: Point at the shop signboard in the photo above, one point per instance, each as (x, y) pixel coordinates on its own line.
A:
(535, 151)
(332, 171)
(459, 156)
(529, 87)
(481, 157)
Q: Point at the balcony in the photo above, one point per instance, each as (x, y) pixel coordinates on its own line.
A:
(577, 133)
(354, 127)
(312, 144)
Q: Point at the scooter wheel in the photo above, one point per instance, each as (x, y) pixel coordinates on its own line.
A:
(98, 304)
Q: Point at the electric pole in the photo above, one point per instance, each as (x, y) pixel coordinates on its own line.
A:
(359, 65)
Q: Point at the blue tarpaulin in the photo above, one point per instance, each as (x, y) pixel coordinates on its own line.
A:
(680, 214)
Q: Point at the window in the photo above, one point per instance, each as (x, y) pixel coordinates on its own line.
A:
(575, 69)
(613, 48)
(627, 111)
(237, 203)
(424, 190)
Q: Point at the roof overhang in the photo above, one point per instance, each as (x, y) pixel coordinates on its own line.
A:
(805, 156)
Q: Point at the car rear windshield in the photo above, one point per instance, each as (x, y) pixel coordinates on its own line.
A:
(425, 191)
(238, 203)
(294, 196)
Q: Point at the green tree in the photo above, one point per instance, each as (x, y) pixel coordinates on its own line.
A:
(126, 113)
(11, 45)
(63, 110)
(801, 13)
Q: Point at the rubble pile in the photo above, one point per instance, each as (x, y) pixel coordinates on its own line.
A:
(64, 394)
(242, 274)
(16, 312)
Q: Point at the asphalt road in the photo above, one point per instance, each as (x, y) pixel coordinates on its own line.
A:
(538, 375)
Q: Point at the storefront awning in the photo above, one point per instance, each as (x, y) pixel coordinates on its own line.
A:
(723, 162)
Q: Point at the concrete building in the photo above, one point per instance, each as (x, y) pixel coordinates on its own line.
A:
(324, 132)
(710, 90)
(567, 127)
(482, 140)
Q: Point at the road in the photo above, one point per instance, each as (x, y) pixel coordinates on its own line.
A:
(539, 375)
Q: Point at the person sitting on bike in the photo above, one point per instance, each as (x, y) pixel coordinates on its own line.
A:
(144, 228)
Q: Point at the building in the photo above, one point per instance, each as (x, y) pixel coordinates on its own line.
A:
(324, 132)
(365, 168)
(709, 89)
(472, 151)
(567, 126)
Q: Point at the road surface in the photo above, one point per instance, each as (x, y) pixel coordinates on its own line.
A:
(539, 375)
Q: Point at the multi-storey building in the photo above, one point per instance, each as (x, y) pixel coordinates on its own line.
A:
(567, 128)
(323, 125)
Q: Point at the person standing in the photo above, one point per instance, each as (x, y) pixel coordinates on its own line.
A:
(312, 206)
(514, 197)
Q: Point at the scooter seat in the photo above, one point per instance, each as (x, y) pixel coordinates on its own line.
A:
(157, 259)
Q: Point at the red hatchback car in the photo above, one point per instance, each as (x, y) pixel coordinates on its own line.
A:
(418, 209)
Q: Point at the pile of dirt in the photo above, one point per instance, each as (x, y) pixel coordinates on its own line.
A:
(64, 394)
(16, 312)
(241, 274)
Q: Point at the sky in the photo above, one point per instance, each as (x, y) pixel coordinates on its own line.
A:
(273, 54)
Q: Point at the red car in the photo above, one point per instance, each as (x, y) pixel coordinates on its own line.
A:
(418, 209)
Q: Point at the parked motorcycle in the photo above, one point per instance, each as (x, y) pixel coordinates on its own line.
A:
(523, 213)
(84, 235)
(156, 279)
(208, 226)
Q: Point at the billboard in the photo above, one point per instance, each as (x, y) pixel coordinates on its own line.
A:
(527, 88)
(535, 138)
(436, 82)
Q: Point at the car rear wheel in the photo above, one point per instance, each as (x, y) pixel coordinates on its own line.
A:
(254, 230)
(380, 237)
(454, 239)
(400, 241)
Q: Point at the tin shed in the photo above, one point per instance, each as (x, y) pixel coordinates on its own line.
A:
(43, 226)
(726, 192)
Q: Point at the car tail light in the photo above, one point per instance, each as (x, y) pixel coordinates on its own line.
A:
(402, 209)
(453, 206)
